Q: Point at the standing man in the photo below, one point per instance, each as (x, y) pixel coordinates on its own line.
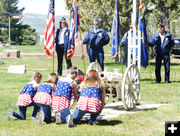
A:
(163, 41)
(96, 38)
(62, 40)
(124, 43)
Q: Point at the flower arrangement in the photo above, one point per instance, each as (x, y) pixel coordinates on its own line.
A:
(8, 54)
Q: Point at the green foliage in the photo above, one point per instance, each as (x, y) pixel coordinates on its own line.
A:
(156, 11)
(104, 11)
(164, 11)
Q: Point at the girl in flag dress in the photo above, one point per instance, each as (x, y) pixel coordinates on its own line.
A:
(43, 98)
(91, 100)
(26, 98)
(62, 95)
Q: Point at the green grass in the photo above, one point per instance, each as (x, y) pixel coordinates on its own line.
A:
(142, 123)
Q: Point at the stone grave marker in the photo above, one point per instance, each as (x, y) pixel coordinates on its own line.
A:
(11, 54)
(18, 69)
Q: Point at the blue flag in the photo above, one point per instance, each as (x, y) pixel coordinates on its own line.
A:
(115, 33)
(144, 43)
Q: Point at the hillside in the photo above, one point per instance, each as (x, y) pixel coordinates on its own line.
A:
(38, 21)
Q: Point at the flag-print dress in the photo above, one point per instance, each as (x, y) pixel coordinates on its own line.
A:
(90, 100)
(26, 95)
(62, 95)
(43, 95)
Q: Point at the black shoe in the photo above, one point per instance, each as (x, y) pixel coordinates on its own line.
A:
(60, 74)
(157, 81)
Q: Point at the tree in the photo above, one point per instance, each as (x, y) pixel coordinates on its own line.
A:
(164, 11)
(18, 30)
(104, 11)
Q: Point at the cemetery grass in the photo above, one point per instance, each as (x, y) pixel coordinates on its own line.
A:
(149, 122)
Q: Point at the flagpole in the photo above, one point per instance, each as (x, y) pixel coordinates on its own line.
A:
(53, 36)
(121, 59)
(82, 51)
(150, 70)
(53, 62)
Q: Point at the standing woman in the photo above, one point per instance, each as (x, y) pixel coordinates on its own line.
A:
(61, 40)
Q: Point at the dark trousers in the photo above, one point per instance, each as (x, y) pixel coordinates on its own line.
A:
(47, 112)
(159, 59)
(78, 114)
(97, 54)
(60, 52)
(23, 109)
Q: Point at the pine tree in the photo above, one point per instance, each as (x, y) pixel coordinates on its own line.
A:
(9, 10)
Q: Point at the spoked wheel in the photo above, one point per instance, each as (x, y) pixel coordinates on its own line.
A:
(130, 91)
(94, 66)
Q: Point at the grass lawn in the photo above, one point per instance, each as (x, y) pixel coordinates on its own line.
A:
(142, 123)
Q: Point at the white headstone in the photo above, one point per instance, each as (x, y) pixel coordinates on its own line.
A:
(18, 69)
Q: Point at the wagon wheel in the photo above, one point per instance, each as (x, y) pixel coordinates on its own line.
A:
(130, 91)
(94, 66)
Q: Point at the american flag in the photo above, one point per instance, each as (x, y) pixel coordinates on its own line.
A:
(49, 31)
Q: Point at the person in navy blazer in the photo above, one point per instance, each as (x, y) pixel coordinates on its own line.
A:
(61, 40)
(163, 42)
(96, 38)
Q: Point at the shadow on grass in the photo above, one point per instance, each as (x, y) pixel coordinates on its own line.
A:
(102, 122)
(109, 122)
(153, 81)
(172, 64)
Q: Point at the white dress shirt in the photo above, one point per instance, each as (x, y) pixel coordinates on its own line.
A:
(61, 36)
(162, 36)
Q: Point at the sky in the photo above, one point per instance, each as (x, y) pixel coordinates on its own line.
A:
(41, 6)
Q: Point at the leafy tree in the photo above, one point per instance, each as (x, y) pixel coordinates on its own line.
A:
(164, 11)
(104, 11)
(156, 11)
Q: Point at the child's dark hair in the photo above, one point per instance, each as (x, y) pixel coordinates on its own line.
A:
(73, 70)
(52, 78)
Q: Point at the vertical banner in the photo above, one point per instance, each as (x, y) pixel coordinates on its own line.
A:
(115, 32)
(144, 43)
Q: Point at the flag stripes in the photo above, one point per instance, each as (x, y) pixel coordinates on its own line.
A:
(49, 31)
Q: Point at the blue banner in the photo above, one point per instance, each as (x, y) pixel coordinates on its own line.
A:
(115, 33)
(144, 43)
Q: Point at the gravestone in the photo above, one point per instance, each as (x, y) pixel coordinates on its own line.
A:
(11, 54)
(18, 69)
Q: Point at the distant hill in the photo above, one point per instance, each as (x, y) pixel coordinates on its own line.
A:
(38, 21)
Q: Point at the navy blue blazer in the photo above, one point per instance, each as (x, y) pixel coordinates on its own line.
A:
(66, 38)
(96, 40)
(166, 46)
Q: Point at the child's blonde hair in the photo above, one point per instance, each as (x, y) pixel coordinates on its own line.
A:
(35, 76)
(52, 78)
(73, 70)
